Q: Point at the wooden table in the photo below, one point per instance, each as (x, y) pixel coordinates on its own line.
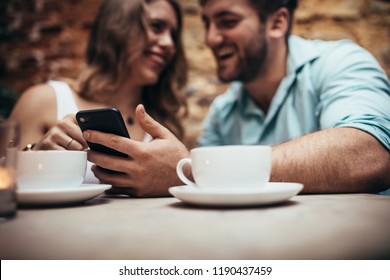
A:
(349, 226)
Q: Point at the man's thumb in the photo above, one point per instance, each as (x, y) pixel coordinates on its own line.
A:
(155, 129)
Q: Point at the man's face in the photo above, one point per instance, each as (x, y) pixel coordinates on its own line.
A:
(236, 37)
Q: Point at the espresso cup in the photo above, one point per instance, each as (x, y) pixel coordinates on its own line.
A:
(228, 167)
(51, 169)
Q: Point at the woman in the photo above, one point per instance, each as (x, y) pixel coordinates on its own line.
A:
(134, 55)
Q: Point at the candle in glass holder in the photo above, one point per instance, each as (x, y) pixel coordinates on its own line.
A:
(9, 140)
(7, 193)
(6, 178)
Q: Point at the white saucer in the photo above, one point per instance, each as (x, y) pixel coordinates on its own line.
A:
(272, 193)
(60, 195)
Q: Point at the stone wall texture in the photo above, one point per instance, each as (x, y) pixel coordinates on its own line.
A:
(45, 39)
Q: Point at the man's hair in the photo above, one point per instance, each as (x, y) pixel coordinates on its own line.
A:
(265, 8)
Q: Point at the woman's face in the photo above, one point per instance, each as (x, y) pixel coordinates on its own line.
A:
(160, 47)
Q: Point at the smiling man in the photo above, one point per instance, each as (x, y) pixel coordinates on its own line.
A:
(323, 106)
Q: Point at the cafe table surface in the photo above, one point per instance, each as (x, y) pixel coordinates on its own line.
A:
(337, 226)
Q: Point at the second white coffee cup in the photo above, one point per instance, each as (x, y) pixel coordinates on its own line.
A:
(228, 167)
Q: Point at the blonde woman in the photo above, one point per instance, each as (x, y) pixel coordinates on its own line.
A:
(134, 56)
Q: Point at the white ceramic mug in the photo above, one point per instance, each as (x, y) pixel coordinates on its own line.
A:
(51, 169)
(228, 167)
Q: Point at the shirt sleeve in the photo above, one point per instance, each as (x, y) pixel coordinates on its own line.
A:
(354, 91)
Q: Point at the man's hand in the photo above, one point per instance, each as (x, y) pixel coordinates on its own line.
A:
(150, 168)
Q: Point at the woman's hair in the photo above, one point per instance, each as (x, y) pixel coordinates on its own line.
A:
(118, 37)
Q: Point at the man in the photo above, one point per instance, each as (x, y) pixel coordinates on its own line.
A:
(324, 106)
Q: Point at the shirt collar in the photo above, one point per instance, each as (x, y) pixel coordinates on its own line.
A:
(243, 100)
(300, 52)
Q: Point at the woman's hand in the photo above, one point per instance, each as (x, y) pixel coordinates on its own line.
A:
(64, 135)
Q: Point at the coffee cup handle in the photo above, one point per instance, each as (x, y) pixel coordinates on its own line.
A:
(180, 173)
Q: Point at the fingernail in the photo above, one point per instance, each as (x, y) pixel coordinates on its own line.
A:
(142, 110)
(86, 135)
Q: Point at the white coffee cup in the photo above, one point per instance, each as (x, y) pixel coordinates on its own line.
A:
(51, 169)
(228, 167)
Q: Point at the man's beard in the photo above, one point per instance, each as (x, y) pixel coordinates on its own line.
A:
(251, 64)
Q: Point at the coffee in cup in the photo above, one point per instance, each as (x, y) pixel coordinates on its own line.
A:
(228, 167)
(51, 169)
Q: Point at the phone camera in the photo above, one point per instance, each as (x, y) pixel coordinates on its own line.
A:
(83, 119)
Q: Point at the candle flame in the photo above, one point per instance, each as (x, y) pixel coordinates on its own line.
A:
(6, 178)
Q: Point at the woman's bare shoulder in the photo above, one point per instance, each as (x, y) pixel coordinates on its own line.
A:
(38, 100)
(40, 91)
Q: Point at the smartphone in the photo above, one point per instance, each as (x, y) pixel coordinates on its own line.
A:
(107, 120)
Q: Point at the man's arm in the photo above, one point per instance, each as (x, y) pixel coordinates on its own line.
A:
(339, 160)
(351, 152)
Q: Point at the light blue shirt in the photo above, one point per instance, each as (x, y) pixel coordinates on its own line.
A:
(328, 85)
